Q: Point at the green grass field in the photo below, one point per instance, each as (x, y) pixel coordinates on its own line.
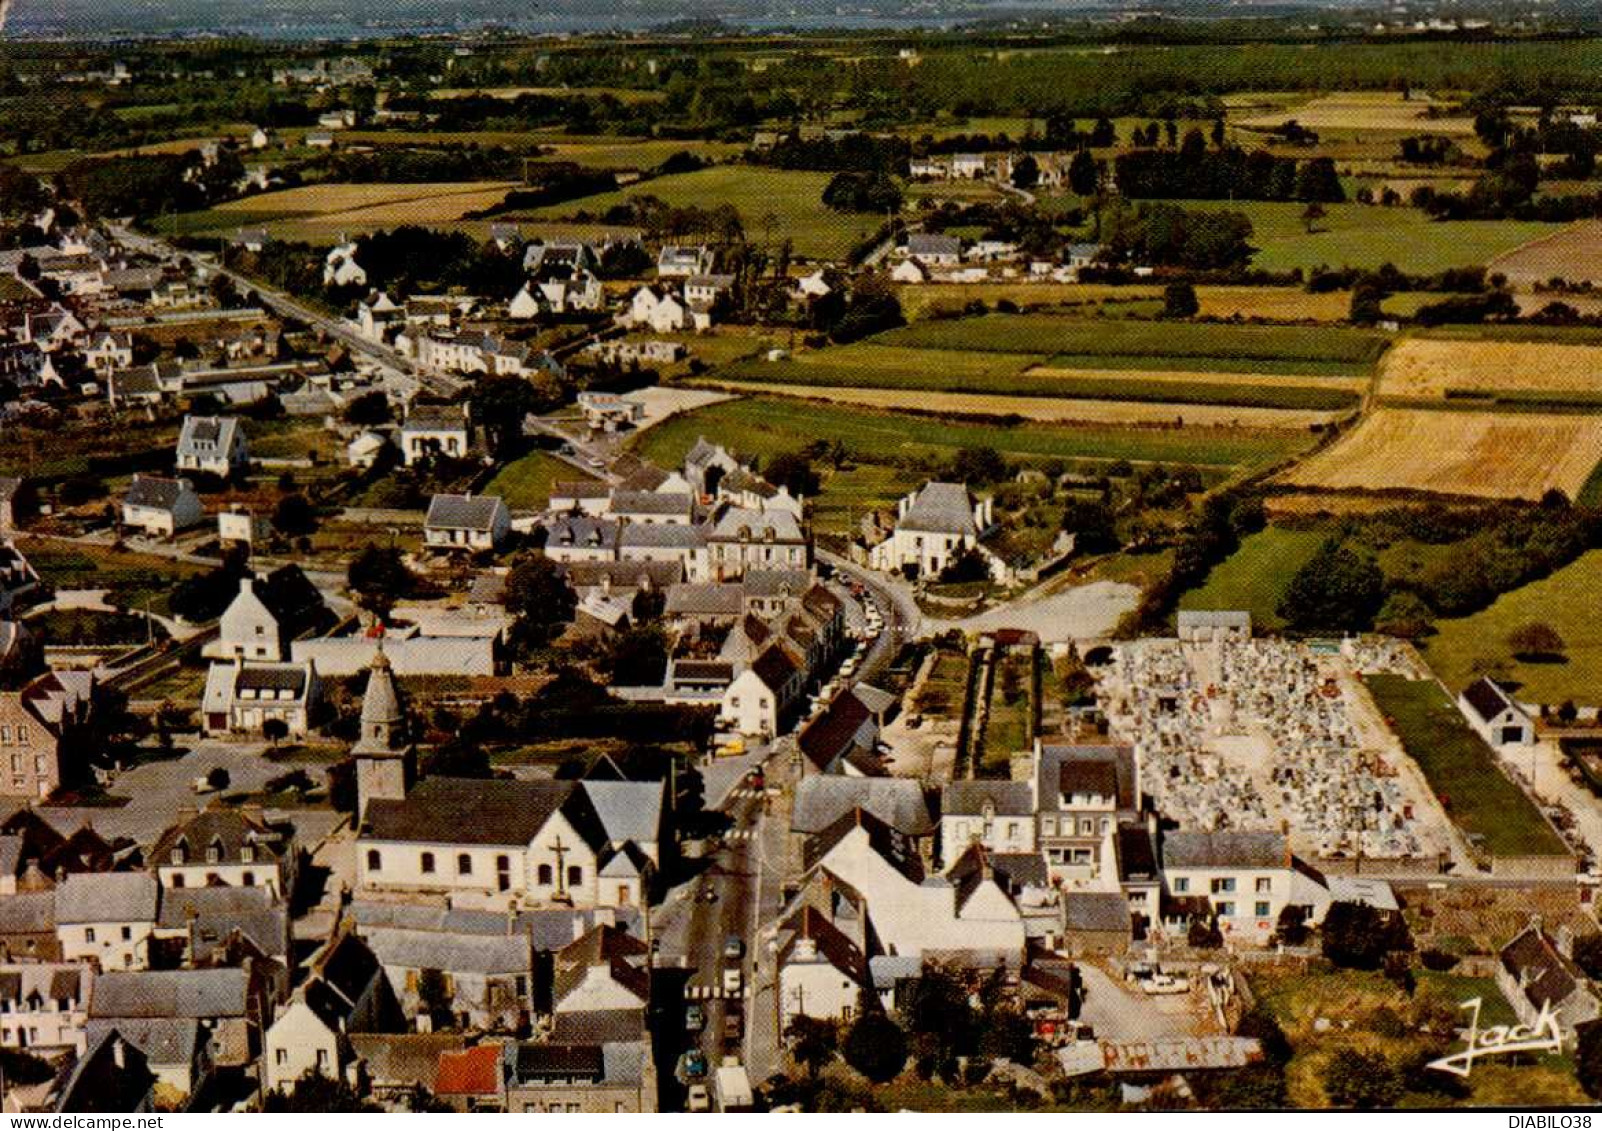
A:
(1566, 600)
(1007, 380)
(763, 426)
(793, 198)
(1114, 343)
(525, 483)
(1461, 768)
(1256, 576)
(1359, 235)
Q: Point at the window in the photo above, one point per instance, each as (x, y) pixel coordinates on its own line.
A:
(375, 860)
(1181, 885)
(1264, 885)
(1048, 825)
(281, 1056)
(22, 735)
(464, 864)
(1224, 885)
(178, 855)
(178, 881)
(1226, 910)
(575, 874)
(544, 874)
(428, 863)
(88, 934)
(322, 1060)
(127, 934)
(248, 879)
(1087, 827)
(1262, 909)
(247, 854)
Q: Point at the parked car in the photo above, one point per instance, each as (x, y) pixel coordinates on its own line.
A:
(700, 1099)
(695, 1017)
(734, 948)
(691, 1066)
(733, 980)
(755, 778)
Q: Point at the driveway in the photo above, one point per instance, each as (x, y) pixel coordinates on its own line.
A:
(1083, 612)
(1121, 1013)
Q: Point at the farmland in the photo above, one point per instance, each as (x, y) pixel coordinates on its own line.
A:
(1364, 111)
(1520, 455)
(792, 198)
(1464, 647)
(884, 367)
(1439, 368)
(1462, 769)
(1572, 254)
(324, 211)
(1127, 344)
(892, 451)
(1367, 236)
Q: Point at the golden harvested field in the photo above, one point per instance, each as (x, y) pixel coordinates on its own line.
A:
(1281, 304)
(1364, 111)
(1575, 254)
(1054, 410)
(1427, 367)
(1516, 456)
(419, 203)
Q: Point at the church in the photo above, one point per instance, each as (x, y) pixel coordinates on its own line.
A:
(493, 843)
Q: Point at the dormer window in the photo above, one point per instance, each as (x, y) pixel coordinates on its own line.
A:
(179, 855)
(214, 852)
(247, 854)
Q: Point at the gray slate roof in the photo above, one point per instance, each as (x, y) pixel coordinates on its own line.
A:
(107, 897)
(1233, 849)
(823, 799)
(968, 798)
(171, 993)
(463, 512)
(940, 508)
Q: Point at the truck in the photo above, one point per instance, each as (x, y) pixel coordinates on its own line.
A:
(731, 1086)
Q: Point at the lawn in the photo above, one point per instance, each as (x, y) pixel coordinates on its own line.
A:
(525, 483)
(1256, 576)
(944, 692)
(13, 289)
(1494, 813)
(1366, 236)
(1463, 647)
(1009, 726)
(134, 581)
(1127, 343)
(793, 198)
(764, 426)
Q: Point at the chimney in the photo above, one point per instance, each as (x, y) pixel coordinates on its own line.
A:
(119, 1053)
(246, 584)
(1563, 939)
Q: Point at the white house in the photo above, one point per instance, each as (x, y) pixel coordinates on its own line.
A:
(933, 250)
(435, 430)
(934, 526)
(821, 970)
(224, 846)
(1244, 876)
(909, 271)
(660, 310)
(214, 444)
(109, 350)
(608, 412)
(161, 507)
(237, 524)
(242, 696)
(107, 918)
(340, 269)
(44, 1005)
(1494, 715)
(265, 615)
(346, 993)
(466, 522)
(763, 694)
(999, 816)
(676, 261)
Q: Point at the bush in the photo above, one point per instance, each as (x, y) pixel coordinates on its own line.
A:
(876, 1047)
(1365, 1081)
(1440, 961)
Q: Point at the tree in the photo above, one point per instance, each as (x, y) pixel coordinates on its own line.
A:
(219, 777)
(639, 657)
(1311, 215)
(294, 517)
(433, 994)
(1358, 936)
(1405, 614)
(1083, 175)
(1588, 954)
(538, 595)
(379, 578)
(368, 409)
(978, 465)
(792, 471)
(1091, 523)
(876, 1047)
(274, 731)
(1536, 641)
(1026, 173)
(1179, 301)
(850, 191)
(1362, 1080)
(316, 1093)
(812, 1042)
(1335, 591)
(1367, 300)
(1588, 1058)
(938, 1016)
(499, 405)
